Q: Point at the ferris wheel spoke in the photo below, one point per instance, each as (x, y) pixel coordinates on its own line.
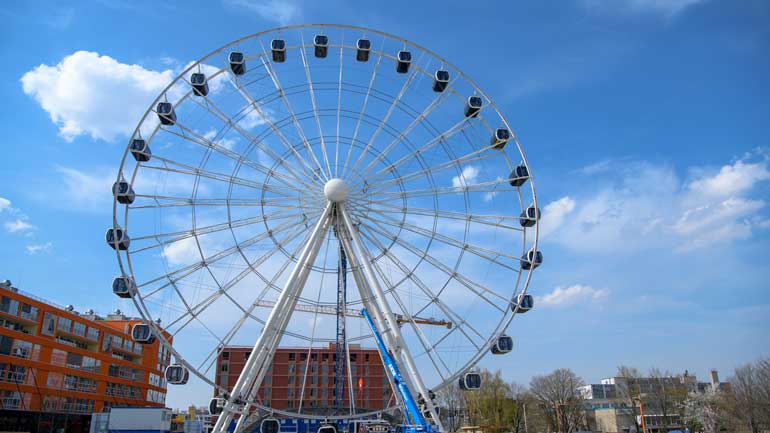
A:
(313, 328)
(363, 107)
(497, 221)
(315, 107)
(339, 108)
(474, 156)
(447, 240)
(260, 297)
(209, 300)
(384, 120)
(422, 116)
(481, 187)
(420, 335)
(216, 257)
(187, 234)
(259, 142)
(460, 126)
(457, 319)
(268, 67)
(193, 136)
(169, 165)
(476, 288)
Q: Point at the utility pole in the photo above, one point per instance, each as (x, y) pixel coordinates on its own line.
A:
(524, 405)
(641, 410)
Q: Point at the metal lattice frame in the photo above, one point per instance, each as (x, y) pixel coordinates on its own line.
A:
(420, 222)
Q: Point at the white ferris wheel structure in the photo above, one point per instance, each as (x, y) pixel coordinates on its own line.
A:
(289, 179)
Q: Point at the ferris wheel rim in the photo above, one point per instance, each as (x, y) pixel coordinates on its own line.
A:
(514, 139)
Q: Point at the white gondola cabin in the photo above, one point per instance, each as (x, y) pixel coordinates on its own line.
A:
(403, 60)
(142, 333)
(327, 428)
(531, 260)
(237, 62)
(363, 47)
(166, 113)
(321, 46)
(470, 381)
(529, 217)
(177, 374)
(503, 345)
(117, 238)
(278, 49)
(473, 106)
(199, 83)
(500, 138)
(140, 150)
(519, 175)
(123, 192)
(524, 302)
(216, 405)
(440, 80)
(123, 287)
(269, 425)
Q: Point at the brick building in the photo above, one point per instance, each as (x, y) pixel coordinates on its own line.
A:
(282, 387)
(54, 360)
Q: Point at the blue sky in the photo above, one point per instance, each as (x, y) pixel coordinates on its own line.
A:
(645, 123)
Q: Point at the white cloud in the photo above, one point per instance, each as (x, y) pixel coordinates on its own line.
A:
(279, 11)
(5, 205)
(647, 206)
(467, 177)
(554, 215)
(667, 8)
(227, 143)
(87, 191)
(18, 225)
(91, 94)
(33, 249)
(732, 179)
(571, 295)
(183, 252)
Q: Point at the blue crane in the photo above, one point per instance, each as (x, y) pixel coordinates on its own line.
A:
(416, 422)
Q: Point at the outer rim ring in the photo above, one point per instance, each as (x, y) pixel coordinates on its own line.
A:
(139, 303)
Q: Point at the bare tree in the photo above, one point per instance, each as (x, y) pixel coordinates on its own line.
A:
(750, 386)
(452, 407)
(665, 396)
(627, 390)
(560, 400)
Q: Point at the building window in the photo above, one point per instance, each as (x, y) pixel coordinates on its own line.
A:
(93, 334)
(292, 356)
(10, 306)
(225, 355)
(29, 312)
(224, 367)
(65, 324)
(49, 324)
(79, 329)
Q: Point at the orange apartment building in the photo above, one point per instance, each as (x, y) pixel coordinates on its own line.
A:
(54, 360)
(282, 387)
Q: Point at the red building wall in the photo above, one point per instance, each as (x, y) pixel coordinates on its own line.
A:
(282, 387)
(54, 360)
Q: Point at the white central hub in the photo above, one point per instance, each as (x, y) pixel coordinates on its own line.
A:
(336, 190)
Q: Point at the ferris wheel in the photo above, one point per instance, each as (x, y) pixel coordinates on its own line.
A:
(292, 178)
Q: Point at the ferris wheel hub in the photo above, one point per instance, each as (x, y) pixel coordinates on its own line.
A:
(336, 190)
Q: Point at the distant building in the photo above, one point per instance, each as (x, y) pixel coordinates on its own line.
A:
(58, 366)
(608, 410)
(282, 387)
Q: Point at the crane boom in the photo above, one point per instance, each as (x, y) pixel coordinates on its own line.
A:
(418, 421)
(332, 310)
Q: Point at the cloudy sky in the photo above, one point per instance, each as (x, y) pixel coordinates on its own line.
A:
(645, 123)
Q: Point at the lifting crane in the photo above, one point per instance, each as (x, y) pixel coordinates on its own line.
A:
(332, 310)
(414, 418)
